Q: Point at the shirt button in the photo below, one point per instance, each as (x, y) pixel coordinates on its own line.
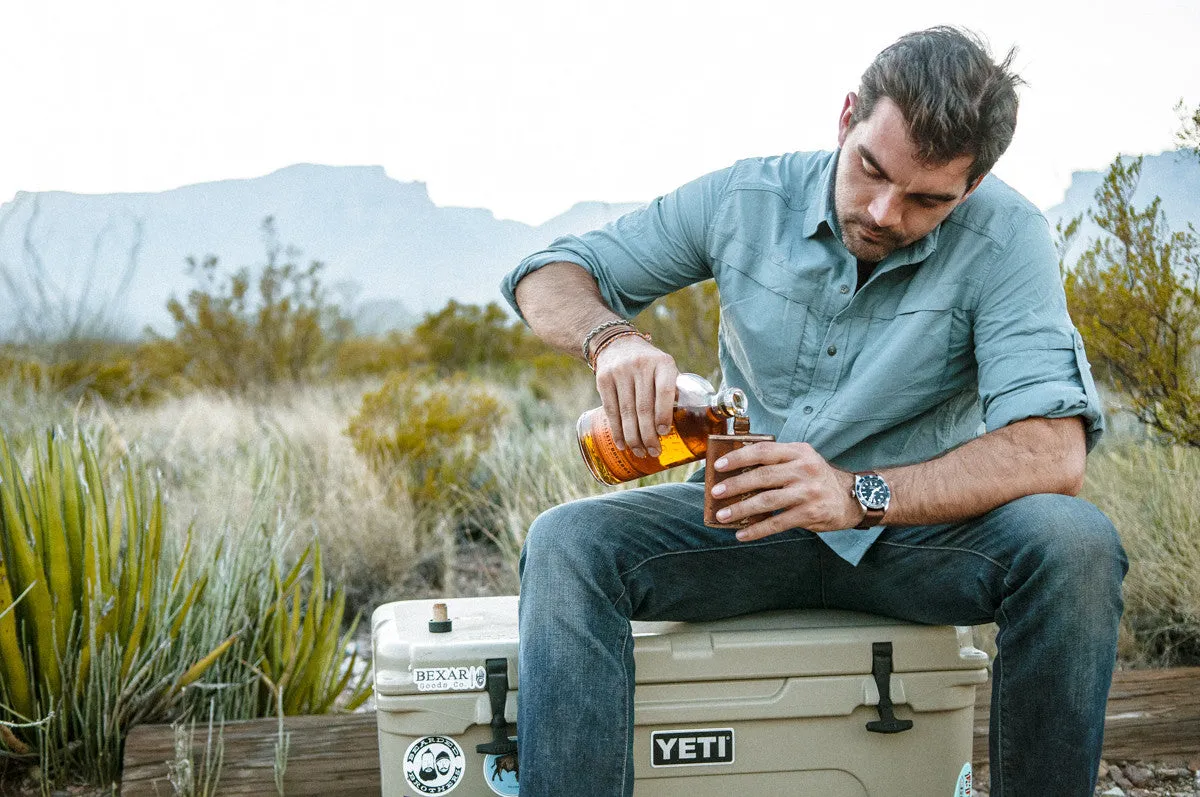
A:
(844, 289)
(808, 410)
(832, 350)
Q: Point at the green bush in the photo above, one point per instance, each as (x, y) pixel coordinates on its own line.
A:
(240, 329)
(427, 434)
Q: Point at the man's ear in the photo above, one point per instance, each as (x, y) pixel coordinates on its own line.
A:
(846, 120)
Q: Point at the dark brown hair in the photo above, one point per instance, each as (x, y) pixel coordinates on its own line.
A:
(955, 99)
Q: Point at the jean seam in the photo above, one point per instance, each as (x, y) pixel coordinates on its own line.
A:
(625, 711)
(983, 556)
(998, 709)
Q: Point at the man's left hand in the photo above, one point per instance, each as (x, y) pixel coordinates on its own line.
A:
(795, 482)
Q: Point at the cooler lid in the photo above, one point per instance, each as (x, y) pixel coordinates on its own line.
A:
(410, 658)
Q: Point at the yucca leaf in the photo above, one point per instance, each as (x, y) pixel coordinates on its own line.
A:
(12, 662)
(194, 594)
(199, 668)
(38, 609)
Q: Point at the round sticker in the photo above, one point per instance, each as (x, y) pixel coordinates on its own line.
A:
(434, 764)
(500, 773)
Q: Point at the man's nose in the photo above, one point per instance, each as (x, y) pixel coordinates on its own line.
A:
(885, 209)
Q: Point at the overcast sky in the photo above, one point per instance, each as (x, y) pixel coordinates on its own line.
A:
(527, 107)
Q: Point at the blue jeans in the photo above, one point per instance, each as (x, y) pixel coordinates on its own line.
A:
(1046, 568)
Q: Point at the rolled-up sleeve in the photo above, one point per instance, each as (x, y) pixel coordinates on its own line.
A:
(643, 255)
(1031, 358)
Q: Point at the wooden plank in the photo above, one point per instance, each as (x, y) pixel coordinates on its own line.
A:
(327, 755)
(1152, 715)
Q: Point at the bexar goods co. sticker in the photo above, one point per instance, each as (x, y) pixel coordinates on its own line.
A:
(433, 764)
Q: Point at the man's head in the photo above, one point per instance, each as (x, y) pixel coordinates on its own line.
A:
(932, 116)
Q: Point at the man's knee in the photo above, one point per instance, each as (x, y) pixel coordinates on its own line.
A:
(566, 537)
(1073, 539)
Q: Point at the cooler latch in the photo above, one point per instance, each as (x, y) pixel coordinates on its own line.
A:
(497, 689)
(881, 668)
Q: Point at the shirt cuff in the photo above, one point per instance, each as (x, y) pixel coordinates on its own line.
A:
(851, 544)
(1064, 398)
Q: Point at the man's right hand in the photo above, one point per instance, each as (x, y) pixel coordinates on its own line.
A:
(636, 381)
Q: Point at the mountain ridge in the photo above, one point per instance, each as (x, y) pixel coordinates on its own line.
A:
(388, 248)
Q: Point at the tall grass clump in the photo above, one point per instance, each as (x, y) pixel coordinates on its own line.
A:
(1152, 494)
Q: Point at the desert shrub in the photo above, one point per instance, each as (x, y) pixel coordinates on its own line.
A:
(364, 357)
(274, 325)
(1134, 293)
(427, 433)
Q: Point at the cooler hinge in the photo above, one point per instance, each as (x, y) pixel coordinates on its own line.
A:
(497, 689)
(881, 668)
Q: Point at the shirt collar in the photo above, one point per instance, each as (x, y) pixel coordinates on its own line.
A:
(824, 210)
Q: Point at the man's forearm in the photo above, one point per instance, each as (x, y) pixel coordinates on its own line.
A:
(1037, 455)
(562, 303)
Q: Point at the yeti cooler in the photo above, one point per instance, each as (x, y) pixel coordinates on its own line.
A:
(777, 703)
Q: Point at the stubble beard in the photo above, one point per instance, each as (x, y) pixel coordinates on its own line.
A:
(882, 242)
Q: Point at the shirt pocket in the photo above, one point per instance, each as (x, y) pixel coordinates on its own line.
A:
(763, 316)
(903, 366)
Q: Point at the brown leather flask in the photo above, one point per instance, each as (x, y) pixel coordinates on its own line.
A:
(718, 446)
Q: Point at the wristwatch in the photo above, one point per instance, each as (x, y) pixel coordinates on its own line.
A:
(873, 495)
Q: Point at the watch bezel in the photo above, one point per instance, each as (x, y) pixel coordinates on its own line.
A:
(864, 484)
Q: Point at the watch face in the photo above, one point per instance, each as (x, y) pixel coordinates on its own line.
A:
(872, 491)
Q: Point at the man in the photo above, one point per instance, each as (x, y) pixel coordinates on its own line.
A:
(877, 304)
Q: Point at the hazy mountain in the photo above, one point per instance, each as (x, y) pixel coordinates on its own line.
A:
(1173, 176)
(391, 254)
(385, 244)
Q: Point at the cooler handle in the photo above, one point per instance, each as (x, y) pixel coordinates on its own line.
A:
(497, 689)
(881, 668)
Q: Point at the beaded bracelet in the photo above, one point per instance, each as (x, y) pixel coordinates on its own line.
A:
(616, 322)
(602, 345)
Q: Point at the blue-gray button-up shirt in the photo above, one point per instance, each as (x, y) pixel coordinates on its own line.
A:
(966, 327)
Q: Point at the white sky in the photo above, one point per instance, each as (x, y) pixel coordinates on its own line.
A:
(525, 106)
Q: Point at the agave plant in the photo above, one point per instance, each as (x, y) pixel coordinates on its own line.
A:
(92, 620)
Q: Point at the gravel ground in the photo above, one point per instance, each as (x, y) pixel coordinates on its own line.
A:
(1134, 779)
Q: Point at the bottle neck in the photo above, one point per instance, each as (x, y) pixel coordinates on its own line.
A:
(729, 402)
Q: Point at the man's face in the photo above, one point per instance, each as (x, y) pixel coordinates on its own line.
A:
(885, 197)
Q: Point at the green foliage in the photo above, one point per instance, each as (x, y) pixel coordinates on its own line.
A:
(93, 642)
(239, 330)
(684, 324)
(432, 432)
(1134, 294)
(302, 664)
(107, 621)
(464, 337)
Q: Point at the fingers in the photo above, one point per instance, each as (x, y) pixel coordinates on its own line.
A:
(790, 483)
(636, 382)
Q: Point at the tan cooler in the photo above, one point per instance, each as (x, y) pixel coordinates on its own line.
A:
(779, 703)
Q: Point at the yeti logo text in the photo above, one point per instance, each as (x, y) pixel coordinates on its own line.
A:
(449, 679)
(691, 748)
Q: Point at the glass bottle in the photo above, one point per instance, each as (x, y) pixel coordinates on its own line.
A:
(700, 410)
